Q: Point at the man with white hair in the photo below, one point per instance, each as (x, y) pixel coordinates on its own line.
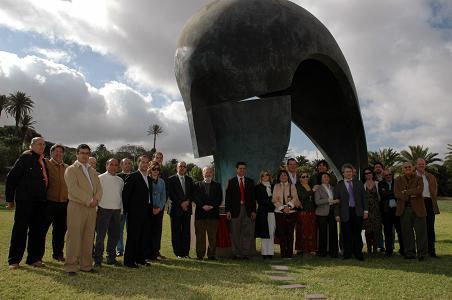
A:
(208, 197)
(26, 185)
(429, 193)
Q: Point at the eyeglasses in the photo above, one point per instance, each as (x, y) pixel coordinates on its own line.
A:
(304, 176)
(367, 173)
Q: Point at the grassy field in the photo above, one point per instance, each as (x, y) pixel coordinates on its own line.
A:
(375, 278)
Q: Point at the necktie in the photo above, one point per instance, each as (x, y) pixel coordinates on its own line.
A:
(242, 191)
(43, 168)
(182, 182)
(351, 195)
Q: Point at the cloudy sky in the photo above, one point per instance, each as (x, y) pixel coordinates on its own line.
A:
(102, 71)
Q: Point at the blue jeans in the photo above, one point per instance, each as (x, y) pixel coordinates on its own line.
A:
(120, 245)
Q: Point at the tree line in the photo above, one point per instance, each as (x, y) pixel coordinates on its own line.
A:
(15, 139)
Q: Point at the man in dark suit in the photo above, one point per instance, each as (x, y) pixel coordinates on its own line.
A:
(180, 189)
(26, 184)
(240, 208)
(351, 211)
(388, 204)
(137, 203)
(208, 197)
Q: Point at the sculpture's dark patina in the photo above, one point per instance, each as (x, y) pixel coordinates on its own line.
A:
(288, 63)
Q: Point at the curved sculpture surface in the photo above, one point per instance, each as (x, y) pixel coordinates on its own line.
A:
(246, 69)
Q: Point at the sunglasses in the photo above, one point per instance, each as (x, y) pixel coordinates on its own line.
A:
(304, 176)
(155, 169)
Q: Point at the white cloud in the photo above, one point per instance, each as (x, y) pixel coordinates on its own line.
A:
(399, 52)
(55, 55)
(69, 110)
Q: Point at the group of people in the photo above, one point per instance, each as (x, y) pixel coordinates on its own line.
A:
(299, 208)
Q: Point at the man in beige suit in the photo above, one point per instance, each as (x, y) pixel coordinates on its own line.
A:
(84, 193)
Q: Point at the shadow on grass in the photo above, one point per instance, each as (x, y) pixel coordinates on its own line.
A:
(169, 279)
(439, 266)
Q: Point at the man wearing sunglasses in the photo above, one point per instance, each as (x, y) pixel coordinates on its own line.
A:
(388, 204)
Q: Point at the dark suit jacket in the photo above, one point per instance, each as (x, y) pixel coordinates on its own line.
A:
(232, 201)
(136, 196)
(214, 198)
(177, 196)
(386, 193)
(265, 205)
(341, 192)
(25, 182)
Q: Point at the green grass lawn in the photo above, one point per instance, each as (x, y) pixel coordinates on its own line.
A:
(375, 278)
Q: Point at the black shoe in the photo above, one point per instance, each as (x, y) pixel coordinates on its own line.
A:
(235, 257)
(71, 274)
(300, 253)
(421, 258)
(360, 258)
(245, 257)
(59, 258)
(212, 258)
(113, 263)
(434, 255)
(98, 265)
(187, 256)
(410, 257)
(388, 254)
(133, 266)
(200, 258)
(91, 271)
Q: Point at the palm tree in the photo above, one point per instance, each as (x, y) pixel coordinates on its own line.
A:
(448, 157)
(155, 130)
(26, 127)
(3, 103)
(19, 105)
(387, 156)
(417, 152)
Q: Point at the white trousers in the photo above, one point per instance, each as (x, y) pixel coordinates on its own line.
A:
(268, 245)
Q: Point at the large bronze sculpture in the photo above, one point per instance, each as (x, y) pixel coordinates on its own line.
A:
(246, 69)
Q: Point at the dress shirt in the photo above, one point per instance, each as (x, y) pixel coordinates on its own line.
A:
(426, 191)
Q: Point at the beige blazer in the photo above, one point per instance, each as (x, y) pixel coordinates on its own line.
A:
(79, 188)
(280, 196)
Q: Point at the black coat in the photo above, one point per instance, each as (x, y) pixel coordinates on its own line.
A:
(214, 199)
(25, 181)
(265, 205)
(386, 193)
(177, 196)
(232, 201)
(136, 196)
